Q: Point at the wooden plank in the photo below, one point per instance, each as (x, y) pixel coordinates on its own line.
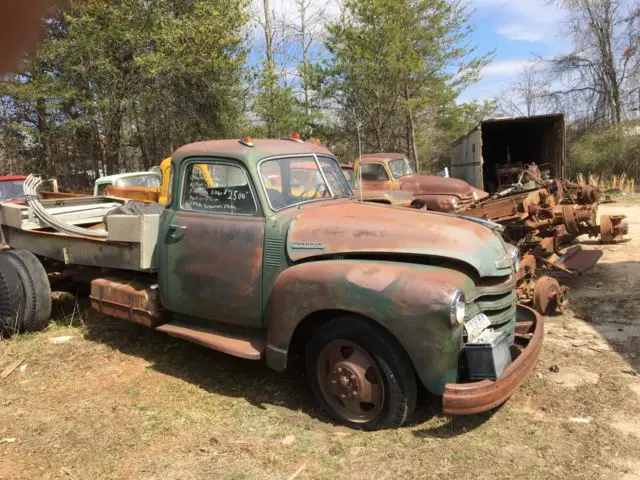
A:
(12, 366)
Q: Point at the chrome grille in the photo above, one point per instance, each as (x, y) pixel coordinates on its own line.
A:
(496, 298)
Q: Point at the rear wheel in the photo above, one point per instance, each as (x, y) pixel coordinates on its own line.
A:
(36, 289)
(359, 374)
(11, 298)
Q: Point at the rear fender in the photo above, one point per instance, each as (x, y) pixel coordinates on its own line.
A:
(410, 301)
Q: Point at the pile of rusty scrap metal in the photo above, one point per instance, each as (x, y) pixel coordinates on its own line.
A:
(543, 217)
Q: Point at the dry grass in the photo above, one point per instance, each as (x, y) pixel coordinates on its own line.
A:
(118, 401)
(605, 183)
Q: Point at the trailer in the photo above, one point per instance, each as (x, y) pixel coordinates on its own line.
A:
(495, 152)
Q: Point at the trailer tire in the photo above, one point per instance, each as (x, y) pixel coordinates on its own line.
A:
(37, 291)
(11, 298)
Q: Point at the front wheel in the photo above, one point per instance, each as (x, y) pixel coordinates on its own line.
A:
(359, 374)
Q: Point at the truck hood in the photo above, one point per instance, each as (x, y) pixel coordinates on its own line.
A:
(435, 185)
(393, 197)
(343, 227)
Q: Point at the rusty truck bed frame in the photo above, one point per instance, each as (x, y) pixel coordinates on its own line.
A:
(130, 243)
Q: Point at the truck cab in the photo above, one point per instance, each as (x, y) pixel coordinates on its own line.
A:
(11, 188)
(393, 171)
(373, 300)
(148, 180)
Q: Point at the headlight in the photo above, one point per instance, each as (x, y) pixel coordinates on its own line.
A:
(474, 194)
(458, 308)
(454, 203)
(516, 259)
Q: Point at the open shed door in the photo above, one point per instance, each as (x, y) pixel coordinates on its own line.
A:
(466, 158)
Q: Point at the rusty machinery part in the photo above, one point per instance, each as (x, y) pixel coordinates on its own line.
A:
(564, 298)
(549, 296)
(569, 219)
(555, 266)
(586, 214)
(559, 190)
(612, 228)
(552, 244)
(527, 266)
(589, 194)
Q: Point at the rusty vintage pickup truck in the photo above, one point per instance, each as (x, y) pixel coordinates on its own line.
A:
(376, 300)
(393, 172)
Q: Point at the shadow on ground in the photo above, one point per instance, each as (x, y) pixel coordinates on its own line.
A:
(606, 299)
(222, 374)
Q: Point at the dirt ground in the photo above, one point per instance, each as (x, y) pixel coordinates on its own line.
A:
(118, 401)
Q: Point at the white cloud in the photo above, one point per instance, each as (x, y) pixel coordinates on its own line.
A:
(506, 68)
(495, 77)
(523, 20)
(523, 33)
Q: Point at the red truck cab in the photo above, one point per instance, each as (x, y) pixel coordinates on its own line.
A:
(11, 188)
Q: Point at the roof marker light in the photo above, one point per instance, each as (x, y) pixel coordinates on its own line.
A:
(295, 136)
(247, 140)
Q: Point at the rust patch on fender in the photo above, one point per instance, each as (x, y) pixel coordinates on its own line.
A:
(376, 278)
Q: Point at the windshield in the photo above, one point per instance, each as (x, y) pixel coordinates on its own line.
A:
(400, 168)
(293, 180)
(145, 180)
(350, 176)
(10, 189)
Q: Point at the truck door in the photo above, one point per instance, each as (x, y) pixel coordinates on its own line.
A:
(210, 246)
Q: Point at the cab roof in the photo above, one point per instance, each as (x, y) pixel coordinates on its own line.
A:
(118, 176)
(383, 156)
(261, 148)
(7, 178)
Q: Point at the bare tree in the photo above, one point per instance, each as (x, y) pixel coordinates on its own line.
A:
(524, 97)
(306, 31)
(599, 69)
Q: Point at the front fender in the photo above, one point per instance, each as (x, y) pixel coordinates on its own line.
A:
(410, 301)
(438, 202)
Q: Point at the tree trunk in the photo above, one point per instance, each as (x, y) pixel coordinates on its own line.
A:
(305, 59)
(43, 135)
(412, 149)
(379, 138)
(113, 134)
(268, 41)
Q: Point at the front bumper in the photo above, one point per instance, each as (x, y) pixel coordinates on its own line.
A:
(476, 397)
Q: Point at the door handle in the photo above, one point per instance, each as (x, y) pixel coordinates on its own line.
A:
(177, 231)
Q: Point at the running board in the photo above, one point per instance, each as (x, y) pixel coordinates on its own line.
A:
(238, 346)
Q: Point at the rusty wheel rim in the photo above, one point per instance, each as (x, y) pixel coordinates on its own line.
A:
(350, 381)
(606, 229)
(569, 217)
(545, 295)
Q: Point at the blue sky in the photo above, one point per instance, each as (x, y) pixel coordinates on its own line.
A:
(516, 30)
